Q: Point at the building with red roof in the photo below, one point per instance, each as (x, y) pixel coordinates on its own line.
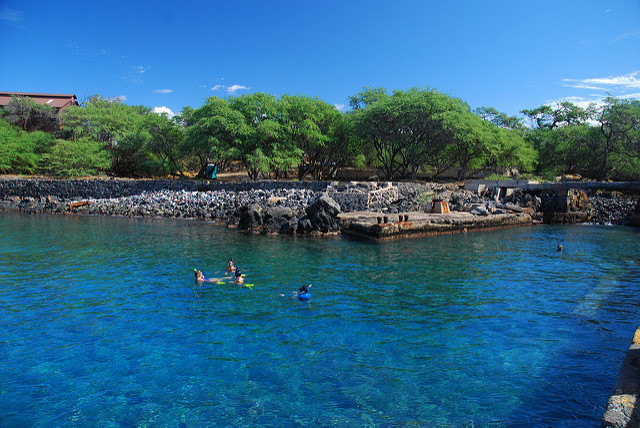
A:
(57, 101)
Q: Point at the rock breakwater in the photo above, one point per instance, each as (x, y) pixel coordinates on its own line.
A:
(299, 207)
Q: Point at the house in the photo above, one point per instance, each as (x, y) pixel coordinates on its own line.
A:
(57, 101)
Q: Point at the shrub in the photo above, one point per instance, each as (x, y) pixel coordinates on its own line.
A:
(20, 151)
(76, 158)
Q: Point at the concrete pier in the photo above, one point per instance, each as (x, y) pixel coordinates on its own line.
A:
(377, 227)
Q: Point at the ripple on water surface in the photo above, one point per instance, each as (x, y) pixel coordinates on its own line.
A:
(102, 324)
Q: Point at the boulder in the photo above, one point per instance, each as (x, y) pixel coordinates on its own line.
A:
(304, 225)
(250, 217)
(278, 212)
(323, 203)
(324, 222)
(273, 225)
(289, 226)
(480, 209)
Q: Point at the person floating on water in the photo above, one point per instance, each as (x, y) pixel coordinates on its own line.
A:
(200, 277)
(239, 279)
(560, 248)
(302, 295)
(230, 266)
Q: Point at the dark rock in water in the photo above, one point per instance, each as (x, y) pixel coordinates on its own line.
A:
(323, 222)
(278, 212)
(323, 203)
(250, 217)
(290, 226)
(304, 225)
(274, 225)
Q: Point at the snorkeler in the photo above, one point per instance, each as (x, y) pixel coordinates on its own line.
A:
(302, 295)
(200, 277)
(239, 279)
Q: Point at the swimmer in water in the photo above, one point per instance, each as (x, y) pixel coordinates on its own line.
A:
(296, 294)
(560, 248)
(200, 277)
(239, 279)
(230, 266)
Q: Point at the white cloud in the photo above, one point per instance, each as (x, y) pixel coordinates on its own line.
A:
(162, 91)
(10, 15)
(119, 98)
(633, 34)
(134, 74)
(218, 87)
(629, 96)
(339, 107)
(234, 88)
(625, 81)
(164, 110)
(578, 85)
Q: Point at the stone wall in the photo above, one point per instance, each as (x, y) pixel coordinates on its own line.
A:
(623, 407)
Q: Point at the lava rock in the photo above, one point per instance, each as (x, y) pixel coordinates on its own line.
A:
(323, 203)
(250, 217)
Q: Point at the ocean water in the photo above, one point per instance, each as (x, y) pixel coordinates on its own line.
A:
(102, 325)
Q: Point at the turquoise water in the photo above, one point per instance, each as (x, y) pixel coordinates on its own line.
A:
(103, 325)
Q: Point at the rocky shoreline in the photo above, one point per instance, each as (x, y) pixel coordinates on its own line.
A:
(295, 207)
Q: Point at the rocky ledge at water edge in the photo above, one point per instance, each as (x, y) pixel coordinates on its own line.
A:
(294, 207)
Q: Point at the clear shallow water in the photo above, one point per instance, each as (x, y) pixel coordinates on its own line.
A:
(102, 325)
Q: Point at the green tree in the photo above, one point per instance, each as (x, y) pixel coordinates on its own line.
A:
(467, 136)
(564, 113)
(318, 132)
(214, 133)
(83, 157)
(105, 120)
(28, 115)
(20, 151)
(499, 119)
(620, 126)
(122, 129)
(366, 97)
(405, 131)
(166, 139)
(261, 148)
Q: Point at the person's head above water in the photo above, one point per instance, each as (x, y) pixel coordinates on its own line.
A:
(238, 273)
(197, 273)
(304, 289)
(560, 248)
(230, 264)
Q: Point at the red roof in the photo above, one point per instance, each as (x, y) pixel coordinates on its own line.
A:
(58, 101)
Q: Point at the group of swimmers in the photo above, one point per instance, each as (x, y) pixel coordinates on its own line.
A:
(238, 279)
(231, 270)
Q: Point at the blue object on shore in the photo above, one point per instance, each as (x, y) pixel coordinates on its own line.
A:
(304, 296)
(212, 171)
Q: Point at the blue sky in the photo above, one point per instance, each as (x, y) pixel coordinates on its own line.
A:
(509, 55)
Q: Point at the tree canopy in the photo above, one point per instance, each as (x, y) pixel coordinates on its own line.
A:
(420, 132)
